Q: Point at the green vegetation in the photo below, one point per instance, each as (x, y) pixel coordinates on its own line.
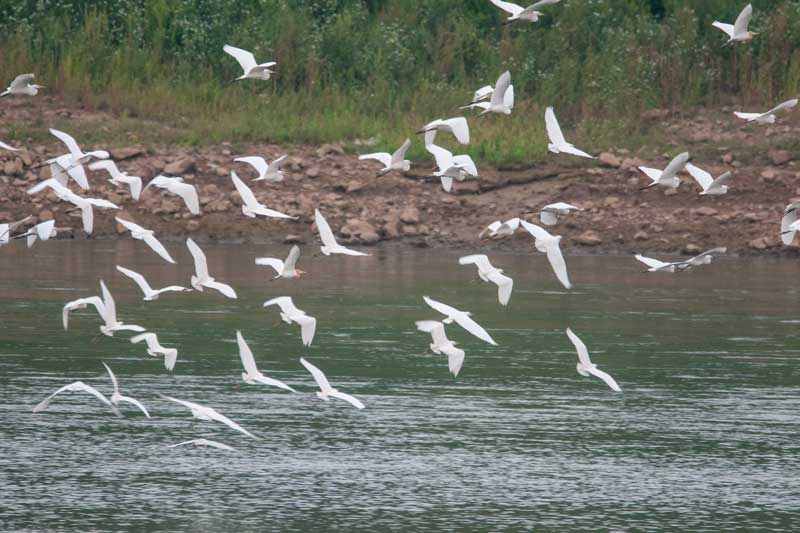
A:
(358, 69)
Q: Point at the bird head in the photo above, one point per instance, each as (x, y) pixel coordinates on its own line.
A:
(298, 273)
(751, 34)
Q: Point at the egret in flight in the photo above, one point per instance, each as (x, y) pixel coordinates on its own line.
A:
(147, 236)
(22, 86)
(177, 186)
(326, 391)
(118, 177)
(248, 63)
(738, 32)
(250, 205)
(117, 397)
(251, 374)
(586, 367)
(395, 161)
(669, 176)
(462, 318)
(488, 273)
(789, 223)
(329, 244)
(457, 126)
(550, 214)
(498, 229)
(517, 12)
(155, 349)
(711, 186)
(201, 412)
(451, 167)
(558, 144)
(85, 205)
(266, 171)
(150, 294)
(201, 278)
(549, 244)
(290, 313)
(110, 315)
(77, 386)
(769, 116)
(284, 269)
(502, 97)
(442, 345)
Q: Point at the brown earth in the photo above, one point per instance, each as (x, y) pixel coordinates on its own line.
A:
(414, 210)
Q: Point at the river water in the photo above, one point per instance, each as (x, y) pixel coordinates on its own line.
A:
(705, 435)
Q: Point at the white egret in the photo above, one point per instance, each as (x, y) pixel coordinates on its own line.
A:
(738, 30)
(789, 225)
(679, 266)
(81, 303)
(250, 206)
(77, 156)
(451, 167)
(201, 278)
(655, 265)
(77, 386)
(204, 442)
(489, 273)
(202, 412)
(549, 244)
(117, 397)
(284, 269)
(711, 186)
(62, 169)
(251, 374)
(585, 366)
(550, 214)
(523, 13)
(395, 161)
(769, 116)
(150, 294)
(86, 205)
(558, 144)
(442, 345)
(177, 186)
(22, 86)
(457, 126)
(5, 146)
(290, 313)
(43, 231)
(7, 229)
(502, 97)
(498, 229)
(248, 63)
(329, 244)
(484, 93)
(327, 392)
(154, 349)
(148, 237)
(669, 176)
(462, 318)
(266, 171)
(110, 315)
(118, 177)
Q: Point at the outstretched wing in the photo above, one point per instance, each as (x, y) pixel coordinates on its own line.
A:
(650, 262)
(291, 259)
(244, 191)
(557, 262)
(500, 88)
(553, 129)
(473, 327)
(400, 153)
(256, 162)
(352, 400)
(246, 59)
(727, 28)
(743, 20)
(580, 347)
(200, 263)
(444, 158)
(23, 80)
(138, 278)
(783, 106)
(69, 141)
(325, 232)
(508, 7)
(273, 262)
(479, 260)
(383, 157)
(701, 176)
(605, 377)
(308, 326)
(318, 376)
(441, 307)
(504, 286)
(113, 378)
(248, 361)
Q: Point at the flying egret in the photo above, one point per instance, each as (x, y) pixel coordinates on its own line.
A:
(62, 169)
(549, 244)
(289, 313)
(148, 237)
(451, 167)
(669, 176)
(266, 172)
(329, 244)
(462, 318)
(177, 186)
(204, 442)
(395, 161)
(118, 177)
(327, 392)
(5, 146)
(150, 294)
(550, 214)
(284, 269)
(502, 97)
(585, 366)
(655, 265)
(201, 277)
(202, 412)
(77, 386)
(498, 229)
(485, 93)
(77, 156)
(81, 303)
(7, 228)
(250, 206)
(110, 315)
(22, 86)
(789, 226)
(679, 266)
(557, 142)
(117, 397)
(711, 186)
(43, 231)
(155, 349)
(251, 374)
(738, 30)
(769, 116)
(457, 126)
(248, 63)
(704, 258)
(86, 205)
(489, 273)
(442, 345)
(523, 13)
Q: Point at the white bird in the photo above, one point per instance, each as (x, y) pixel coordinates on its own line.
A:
(738, 30)
(250, 206)
(150, 294)
(110, 315)
(442, 345)
(679, 266)
(22, 86)
(86, 205)
(395, 161)
(177, 186)
(499, 229)
(558, 144)
(201, 278)
(202, 412)
(489, 273)
(62, 169)
(585, 366)
(117, 397)
(485, 93)
(519, 13)
(290, 313)
(204, 442)
(155, 349)
(669, 176)
(502, 97)
(704, 258)
(768, 117)
(462, 318)
(42, 231)
(251, 374)
(248, 63)
(451, 167)
(789, 223)
(266, 172)
(118, 177)
(148, 237)
(77, 386)
(7, 228)
(77, 156)
(284, 269)
(711, 186)
(549, 244)
(5, 146)
(457, 126)
(550, 214)
(329, 244)
(326, 391)
(655, 265)
(81, 303)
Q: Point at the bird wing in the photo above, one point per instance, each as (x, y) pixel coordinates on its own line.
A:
(783, 106)
(135, 402)
(219, 417)
(132, 227)
(108, 165)
(244, 191)
(649, 261)
(508, 7)
(479, 260)
(113, 378)
(200, 263)
(441, 307)
(348, 251)
(256, 162)
(508, 99)
(267, 212)
(742, 21)
(727, 28)
(352, 400)
(723, 179)
(248, 361)
(542, 3)
(548, 218)
(557, 262)
(138, 278)
(246, 59)
(108, 301)
(82, 302)
(460, 128)
(473, 327)
(45, 229)
(605, 377)
(570, 149)
(790, 216)
(400, 154)
(273, 262)
(676, 165)
(652, 173)
(482, 93)
(188, 193)
(537, 232)
(291, 259)
(74, 387)
(308, 325)
(273, 383)
(491, 228)
(191, 405)
(135, 183)
(69, 141)
(714, 251)
(77, 173)
(444, 158)
(701, 176)
(455, 359)
(580, 347)
(383, 157)
(224, 288)
(285, 303)
(325, 232)
(436, 329)
(150, 338)
(158, 248)
(553, 129)
(465, 163)
(23, 80)
(500, 88)
(318, 376)
(447, 183)
(504, 286)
